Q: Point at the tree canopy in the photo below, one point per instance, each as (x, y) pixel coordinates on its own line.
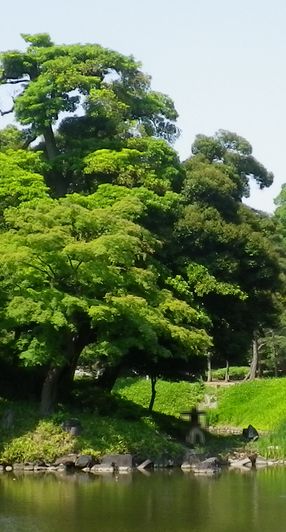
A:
(114, 253)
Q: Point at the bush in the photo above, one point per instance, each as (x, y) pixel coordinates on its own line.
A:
(236, 373)
(46, 442)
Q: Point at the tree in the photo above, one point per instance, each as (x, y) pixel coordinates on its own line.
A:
(104, 93)
(234, 152)
(20, 178)
(77, 277)
(218, 232)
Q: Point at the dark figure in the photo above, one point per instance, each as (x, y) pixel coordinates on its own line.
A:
(195, 433)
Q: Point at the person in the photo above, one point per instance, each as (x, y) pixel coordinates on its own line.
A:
(195, 433)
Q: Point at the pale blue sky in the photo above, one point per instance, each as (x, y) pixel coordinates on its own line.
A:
(222, 62)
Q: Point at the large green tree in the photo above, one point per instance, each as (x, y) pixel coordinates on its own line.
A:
(216, 230)
(91, 94)
(75, 276)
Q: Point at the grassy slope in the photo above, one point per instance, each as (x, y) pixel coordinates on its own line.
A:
(259, 403)
(171, 398)
(120, 423)
(113, 424)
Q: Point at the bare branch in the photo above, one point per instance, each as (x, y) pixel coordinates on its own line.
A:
(14, 81)
(47, 265)
(3, 113)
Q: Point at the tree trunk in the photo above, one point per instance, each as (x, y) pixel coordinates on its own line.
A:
(50, 142)
(59, 380)
(108, 378)
(209, 377)
(49, 391)
(274, 354)
(254, 362)
(153, 393)
(226, 378)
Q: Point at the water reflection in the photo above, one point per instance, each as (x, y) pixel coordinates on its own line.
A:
(161, 502)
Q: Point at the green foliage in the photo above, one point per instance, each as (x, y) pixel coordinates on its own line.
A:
(46, 442)
(20, 180)
(149, 162)
(236, 152)
(147, 262)
(115, 95)
(78, 279)
(141, 438)
(225, 249)
(235, 373)
(11, 138)
(32, 439)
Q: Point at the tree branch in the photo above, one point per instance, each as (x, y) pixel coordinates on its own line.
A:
(3, 113)
(14, 81)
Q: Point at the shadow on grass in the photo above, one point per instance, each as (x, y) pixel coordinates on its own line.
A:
(91, 399)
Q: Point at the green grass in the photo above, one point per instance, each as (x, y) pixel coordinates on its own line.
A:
(45, 440)
(120, 423)
(261, 403)
(171, 398)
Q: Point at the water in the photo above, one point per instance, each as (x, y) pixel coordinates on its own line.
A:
(161, 502)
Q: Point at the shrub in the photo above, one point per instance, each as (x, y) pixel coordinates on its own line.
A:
(236, 373)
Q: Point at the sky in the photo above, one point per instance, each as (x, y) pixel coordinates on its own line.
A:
(222, 62)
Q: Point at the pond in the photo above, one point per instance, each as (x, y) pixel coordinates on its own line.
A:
(157, 502)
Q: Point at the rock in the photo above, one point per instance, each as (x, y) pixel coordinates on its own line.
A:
(117, 460)
(40, 468)
(240, 463)
(8, 468)
(186, 466)
(124, 470)
(28, 467)
(146, 464)
(192, 457)
(61, 468)
(84, 460)
(250, 434)
(209, 466)
(101, 468)
(68, 460)
(18, 466)
(73, 426)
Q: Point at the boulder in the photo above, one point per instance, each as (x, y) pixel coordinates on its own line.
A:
(68, 460)
(250, 434)
(145, 465)
(28, 467)
(18, 466)
(210, 466)
(73, 426)
(84, 460)
(40, 468)
(240, 463)
(101, 468)
(192, 457)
